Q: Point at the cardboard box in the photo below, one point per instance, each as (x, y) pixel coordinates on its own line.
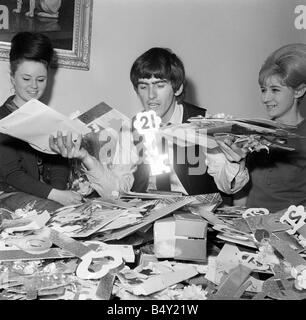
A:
(181, 236)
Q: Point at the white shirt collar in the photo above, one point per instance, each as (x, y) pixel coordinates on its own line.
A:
(177, 116)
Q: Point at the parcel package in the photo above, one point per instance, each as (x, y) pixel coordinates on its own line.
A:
(181, 236)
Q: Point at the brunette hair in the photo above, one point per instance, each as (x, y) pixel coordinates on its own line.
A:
(31, 46)
(161, 63)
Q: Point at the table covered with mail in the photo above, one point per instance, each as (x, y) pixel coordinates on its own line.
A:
(159, 246)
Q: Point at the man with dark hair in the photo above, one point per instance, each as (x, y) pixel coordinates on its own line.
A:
(158, 77)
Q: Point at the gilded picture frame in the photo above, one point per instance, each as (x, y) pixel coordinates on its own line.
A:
(69, 28)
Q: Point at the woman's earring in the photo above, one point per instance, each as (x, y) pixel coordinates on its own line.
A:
(13, 91)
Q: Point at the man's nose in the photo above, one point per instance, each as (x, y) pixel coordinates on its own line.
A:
(152, 92)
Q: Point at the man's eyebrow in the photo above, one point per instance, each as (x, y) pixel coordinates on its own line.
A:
(160, 81)
(153, 82)
(141, 82)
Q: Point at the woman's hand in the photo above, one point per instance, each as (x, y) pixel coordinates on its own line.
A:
(66, 147)
(65, 197)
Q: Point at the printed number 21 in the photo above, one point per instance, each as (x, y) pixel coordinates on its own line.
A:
(148, 123)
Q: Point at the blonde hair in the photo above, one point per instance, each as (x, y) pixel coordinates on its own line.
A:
(288, 63)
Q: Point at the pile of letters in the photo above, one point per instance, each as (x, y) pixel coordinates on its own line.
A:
(106, 250)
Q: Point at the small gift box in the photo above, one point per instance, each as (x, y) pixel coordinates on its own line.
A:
(181, 236)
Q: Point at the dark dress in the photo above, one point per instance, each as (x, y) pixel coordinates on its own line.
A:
(32, 173)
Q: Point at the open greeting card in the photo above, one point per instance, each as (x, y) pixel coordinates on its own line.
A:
(34, 122)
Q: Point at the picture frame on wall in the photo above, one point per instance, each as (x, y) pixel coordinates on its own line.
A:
(68, 23)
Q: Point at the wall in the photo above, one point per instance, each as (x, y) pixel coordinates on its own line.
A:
(222, 43)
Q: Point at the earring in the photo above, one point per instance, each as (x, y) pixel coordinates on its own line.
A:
(12, 90)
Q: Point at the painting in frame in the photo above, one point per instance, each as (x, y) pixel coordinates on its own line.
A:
(66, 22)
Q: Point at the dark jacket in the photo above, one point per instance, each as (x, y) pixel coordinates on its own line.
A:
(19, 164)
(193, 184)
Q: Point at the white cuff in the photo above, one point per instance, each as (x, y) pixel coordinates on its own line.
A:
(228, 176)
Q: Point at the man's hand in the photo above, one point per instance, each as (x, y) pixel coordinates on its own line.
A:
(66, 147)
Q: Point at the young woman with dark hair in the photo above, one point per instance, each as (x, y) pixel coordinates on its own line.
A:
(21, 167)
